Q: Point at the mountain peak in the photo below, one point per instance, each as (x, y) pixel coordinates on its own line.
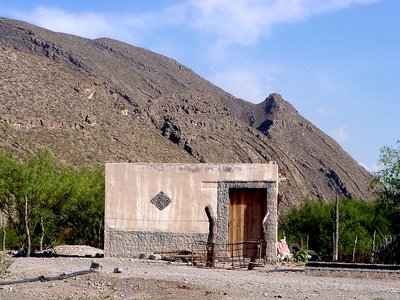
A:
(275, 103)
(93, 101)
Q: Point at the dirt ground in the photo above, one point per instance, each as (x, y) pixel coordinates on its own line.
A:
(145, 279)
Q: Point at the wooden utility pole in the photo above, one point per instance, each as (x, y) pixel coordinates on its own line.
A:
(336, 243)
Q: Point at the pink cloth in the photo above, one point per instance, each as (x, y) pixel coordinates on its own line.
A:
(283, 249)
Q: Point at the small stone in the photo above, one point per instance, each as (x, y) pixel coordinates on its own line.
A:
(144, 256)
(95, 266)
(155, 257)
(118, 270)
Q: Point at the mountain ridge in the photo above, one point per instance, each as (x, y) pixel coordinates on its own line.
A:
(138, 90)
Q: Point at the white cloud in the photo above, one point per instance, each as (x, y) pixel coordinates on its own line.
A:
(241, 22)
(245, 21)
(241, 83)
(90, 24)
(373, 167)
(340, 134)
(87, 24)
(325, 111)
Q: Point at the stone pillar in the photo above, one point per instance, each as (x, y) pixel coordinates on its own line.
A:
(271, 223)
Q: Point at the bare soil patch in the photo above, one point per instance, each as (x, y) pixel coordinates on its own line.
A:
(143, 279)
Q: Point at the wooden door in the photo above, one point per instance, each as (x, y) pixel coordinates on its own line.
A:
(247, 209)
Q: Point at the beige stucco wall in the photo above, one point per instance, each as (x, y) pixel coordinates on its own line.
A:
(130, 188)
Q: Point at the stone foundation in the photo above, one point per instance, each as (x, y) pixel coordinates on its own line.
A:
(132, 243)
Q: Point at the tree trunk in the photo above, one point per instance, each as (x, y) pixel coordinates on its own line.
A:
(373, 248)
(336, 243)
(354, 249)
(212, 222)
(42, 234)
(264, 226)
(28, 235)
(4, 233)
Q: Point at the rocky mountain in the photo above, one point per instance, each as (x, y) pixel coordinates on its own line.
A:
(97, 101)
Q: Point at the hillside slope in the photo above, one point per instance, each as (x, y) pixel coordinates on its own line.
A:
(109, 101)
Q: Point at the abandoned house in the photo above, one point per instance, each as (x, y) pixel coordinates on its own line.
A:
(162, 207)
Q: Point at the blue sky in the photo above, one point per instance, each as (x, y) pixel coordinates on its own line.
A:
(336, 61)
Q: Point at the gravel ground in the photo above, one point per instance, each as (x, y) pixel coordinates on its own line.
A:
(143, 279)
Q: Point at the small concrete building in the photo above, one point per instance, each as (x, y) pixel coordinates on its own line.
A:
(161, 207)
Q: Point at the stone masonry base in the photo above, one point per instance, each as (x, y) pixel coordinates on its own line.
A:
(133, 243)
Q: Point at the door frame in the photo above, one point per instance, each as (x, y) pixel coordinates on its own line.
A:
(271, 233)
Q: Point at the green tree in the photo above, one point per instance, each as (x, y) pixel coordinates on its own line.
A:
(316, 219)
(362, 220)
(25, 190)
(313, 219)
(38, 193)
(387, 183)
(80, 207)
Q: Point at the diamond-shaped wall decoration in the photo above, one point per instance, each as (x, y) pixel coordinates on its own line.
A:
(161, 200)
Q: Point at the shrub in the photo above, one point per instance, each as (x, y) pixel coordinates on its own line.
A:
(5, 263)
(315, 221)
